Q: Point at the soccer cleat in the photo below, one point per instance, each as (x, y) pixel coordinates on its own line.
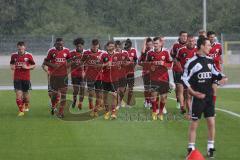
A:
(164, 110)
(107, 115)
(118, 107)
(189, 150)
(53, 110)
(26, 108)
(92, 113)
(210, 152)
(160, 116)
(20, 114)
(60, 115)
(154, 116)
(123, 104)
(149, 105)
(114, 115)
(73, 104)
(145, 104)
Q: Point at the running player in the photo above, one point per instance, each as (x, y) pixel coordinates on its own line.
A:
(57, 60)
(159, 62)
(21, 63)
(110, 80)
(93, 64)
(77, 72)
(122, 72)
(147, 46)
(177, 71)
(199, 74)
(216, 54)
(132, 55)
(183, 55)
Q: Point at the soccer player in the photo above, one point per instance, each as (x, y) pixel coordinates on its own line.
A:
(21, 63)
(93, 64)
(216, 54)
(199, 74)
(177, 71)
(183, 55)
(159, 62)
(202, 33)
(57, 59)
(110, 80)
(147, 46)
(122, 72)
(132, 55)
(77, 72)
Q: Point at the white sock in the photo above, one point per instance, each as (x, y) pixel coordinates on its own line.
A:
(191, 145)
(210, 145)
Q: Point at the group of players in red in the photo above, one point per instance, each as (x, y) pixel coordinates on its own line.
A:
(109, 74)
(196, 68)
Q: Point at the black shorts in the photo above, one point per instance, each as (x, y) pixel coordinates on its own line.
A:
(94, 85)
(122, 82)
(22, 85)
(130, 80)
(110, 86)
(177, 77)
(58, 82)
(147, 81)
(78, 81)
(160, 87)
(205, 106)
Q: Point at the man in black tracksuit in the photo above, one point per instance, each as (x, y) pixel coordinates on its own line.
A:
(199, 74)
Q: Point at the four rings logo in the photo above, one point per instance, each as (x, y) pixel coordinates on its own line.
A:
(204, 75)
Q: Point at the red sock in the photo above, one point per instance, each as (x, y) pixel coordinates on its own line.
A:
(157, 102)
(113, 108)
(90, 104)
(154, 106)
(214, 99)
(61, 109)
(161, 107)
(20, 104)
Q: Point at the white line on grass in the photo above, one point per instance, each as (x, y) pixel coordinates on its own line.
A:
(219, 109)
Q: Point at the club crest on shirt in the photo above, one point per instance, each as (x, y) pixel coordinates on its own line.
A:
(209, 66)
(163, 57)
(25, 59)
(115, 58)
(132, 54)
(123, 57)
(65, 55)
(217, 50)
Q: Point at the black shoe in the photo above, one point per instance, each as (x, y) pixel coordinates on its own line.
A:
(189, 150)
(60, 115)
(210, 152)
(73, 104)
(182, 111)
(53, 111)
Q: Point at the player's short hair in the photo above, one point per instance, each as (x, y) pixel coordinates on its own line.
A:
(59, 39)
(21, 43)
(210, 33)
(128, 41)
(78, 41)
(110, 42)
(95, 42)
(149, 40)
(182, 32)
(190, 36)
(201, 41)
(118, 43)
(156, 38)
